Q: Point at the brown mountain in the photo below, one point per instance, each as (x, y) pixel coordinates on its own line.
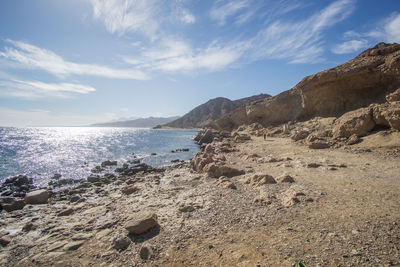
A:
(205, 114)
(364, 80)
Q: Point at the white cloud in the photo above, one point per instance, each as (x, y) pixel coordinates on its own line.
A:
(120, 16)
(388, 30)
(222, 12)
(30, 56)
(392, 29)
(350, 46)
(187, 17)
(299, 41)
(174, 55)
(37, 117)
(32, 90)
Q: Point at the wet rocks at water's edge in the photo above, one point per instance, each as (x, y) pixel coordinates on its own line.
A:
(16, 186)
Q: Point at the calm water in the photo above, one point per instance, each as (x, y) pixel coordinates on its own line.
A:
(42, 152)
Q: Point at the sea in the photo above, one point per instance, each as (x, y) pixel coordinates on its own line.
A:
(72, 152)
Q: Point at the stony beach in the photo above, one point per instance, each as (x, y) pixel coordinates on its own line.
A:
(264, 202)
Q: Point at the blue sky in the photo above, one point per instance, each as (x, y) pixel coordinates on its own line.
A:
(78, 62)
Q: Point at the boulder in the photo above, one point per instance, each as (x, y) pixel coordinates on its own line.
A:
(37, 197)
(358, 122)
(214, 170)
(207, 137)
(393, 97)
(260, 179)
(300, 135)
(387, 115)
(141, 222)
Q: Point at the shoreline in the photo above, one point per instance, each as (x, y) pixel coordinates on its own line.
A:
(203, 220)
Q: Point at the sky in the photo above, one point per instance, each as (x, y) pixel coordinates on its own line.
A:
(77, 62)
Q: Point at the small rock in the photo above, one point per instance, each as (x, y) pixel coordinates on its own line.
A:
(145, 252)
(313, 165)
(285, 179)
(37, 197)
(141, 222)
(93, 179)
(74, 199)
(153, 154)
(13, 205)
(73, 245)
(4, 241)
(56, 176)
(129, 189)
(260, 179)
(353, 139)
(56, 245)
(66, 212)
(81, 236)
(186, 208)
(29, 226)
(120, 242)
(109, 163)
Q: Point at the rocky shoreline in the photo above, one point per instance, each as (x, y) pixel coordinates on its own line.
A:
(241, 201)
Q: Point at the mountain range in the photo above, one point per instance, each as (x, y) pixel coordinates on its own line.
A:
(206, 114)
(149, 122)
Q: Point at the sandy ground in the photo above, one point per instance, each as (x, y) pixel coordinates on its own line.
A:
(347, 213)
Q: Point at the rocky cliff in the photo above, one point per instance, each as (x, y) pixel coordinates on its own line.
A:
(205, 114)
(364, 80)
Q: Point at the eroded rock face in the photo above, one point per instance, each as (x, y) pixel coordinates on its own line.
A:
(393, 97)
(364, 80)
(387, 115)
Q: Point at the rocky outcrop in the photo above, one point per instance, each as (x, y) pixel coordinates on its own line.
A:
(358, 122)
(361, 121)
(364, 80)
(205, 114)
(212, 162)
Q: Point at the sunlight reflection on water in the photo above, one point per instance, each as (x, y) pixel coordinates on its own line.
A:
(42, 152)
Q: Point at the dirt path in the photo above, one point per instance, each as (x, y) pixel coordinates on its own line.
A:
(352, 221)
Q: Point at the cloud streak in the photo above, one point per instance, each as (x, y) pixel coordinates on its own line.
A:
(300, 41)
(387, 30)
(33, 57)
(32, 90)
(350, 46)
